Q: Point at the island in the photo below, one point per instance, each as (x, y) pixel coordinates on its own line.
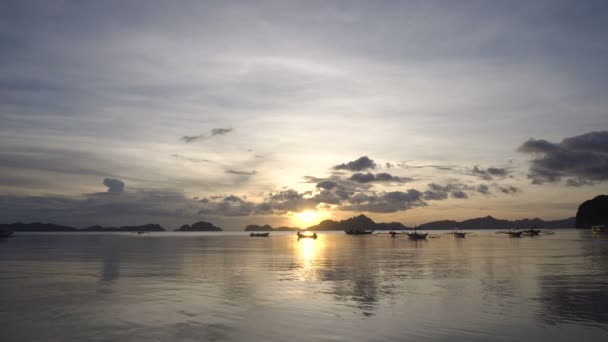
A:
(269, 228)
(593, 212)
(200, 226)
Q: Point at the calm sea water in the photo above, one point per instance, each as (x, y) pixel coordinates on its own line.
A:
(229, 287)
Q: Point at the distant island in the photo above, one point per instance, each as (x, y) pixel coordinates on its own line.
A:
(268, 228)
(365, 223)
(50, 227)
(200, 226)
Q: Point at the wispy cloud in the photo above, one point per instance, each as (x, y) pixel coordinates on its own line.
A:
(204, 136)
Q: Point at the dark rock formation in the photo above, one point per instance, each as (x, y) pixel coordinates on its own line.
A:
(592, 212)
(143, 228)
(268, 228)
(200, 226)
(360, 222)
(36, 227)
(490, 222)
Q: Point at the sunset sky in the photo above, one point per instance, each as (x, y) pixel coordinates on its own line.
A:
(287, 113)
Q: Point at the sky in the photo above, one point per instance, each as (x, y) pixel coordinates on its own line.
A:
(291, 112)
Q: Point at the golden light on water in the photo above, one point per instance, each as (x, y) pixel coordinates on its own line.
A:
(308, 250)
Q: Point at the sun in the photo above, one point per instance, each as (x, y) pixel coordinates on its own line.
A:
(307, 217)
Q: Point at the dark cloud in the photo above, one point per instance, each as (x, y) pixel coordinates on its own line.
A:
(327, 184)
(380, 177)
(581, 160)
(204, 136)
(489, 173)
(483, 189)
(508, 189)
(437, 192)
(241, 173)
(115, 186)
(228, 206)
(385, 202)
(361, 164)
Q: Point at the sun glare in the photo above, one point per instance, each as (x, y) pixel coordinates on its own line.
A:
(307, 217)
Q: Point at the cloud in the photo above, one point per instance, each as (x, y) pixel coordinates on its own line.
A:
(489, 173)
(204, 136)
(241, 173)
(361, 164)
(508, 189)
(385, 202)
(380, 177)
(228, 206)
(115, 186)
(581, 160)
(437, 192)
(189, 159)
(327, 184)
(483, 189)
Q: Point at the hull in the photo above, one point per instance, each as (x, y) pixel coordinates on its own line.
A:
(259, 234)
(355, 232)
(306, 236)
(459, 235)
(514, 234)
(417, 236)
(600, 229)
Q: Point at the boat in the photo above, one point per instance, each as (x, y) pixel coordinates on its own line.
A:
(514, 233)
(602, 228)
(458, 234)
(417, 236)
(307, 236)
(5, 233)
(358, 232)
(141, 232)
(531, 232)
(259, 234)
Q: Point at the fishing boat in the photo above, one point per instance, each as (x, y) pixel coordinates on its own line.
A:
(4, 233)
(358, 232)
(602, 228)
(514, 233)
(458, 234)
(307, 235)
(417, 236)
(531, 232)
(259, 234)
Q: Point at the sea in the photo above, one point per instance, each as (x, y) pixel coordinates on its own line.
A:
(231, 287)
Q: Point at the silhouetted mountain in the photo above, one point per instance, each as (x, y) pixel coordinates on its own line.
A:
(200, 226)
(490, 222)
(592, 212)
(268, 228)
(36, 227)
(143, 228)
(360, 222)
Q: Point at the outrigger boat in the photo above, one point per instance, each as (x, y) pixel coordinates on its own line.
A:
(602, 228)
(307, 236)
(417, 236)
(531, 232)
(358, 232)
(259, 234)
(514, 233)
(458, 234)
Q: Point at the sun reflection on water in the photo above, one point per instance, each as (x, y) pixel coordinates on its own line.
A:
(309, 250)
